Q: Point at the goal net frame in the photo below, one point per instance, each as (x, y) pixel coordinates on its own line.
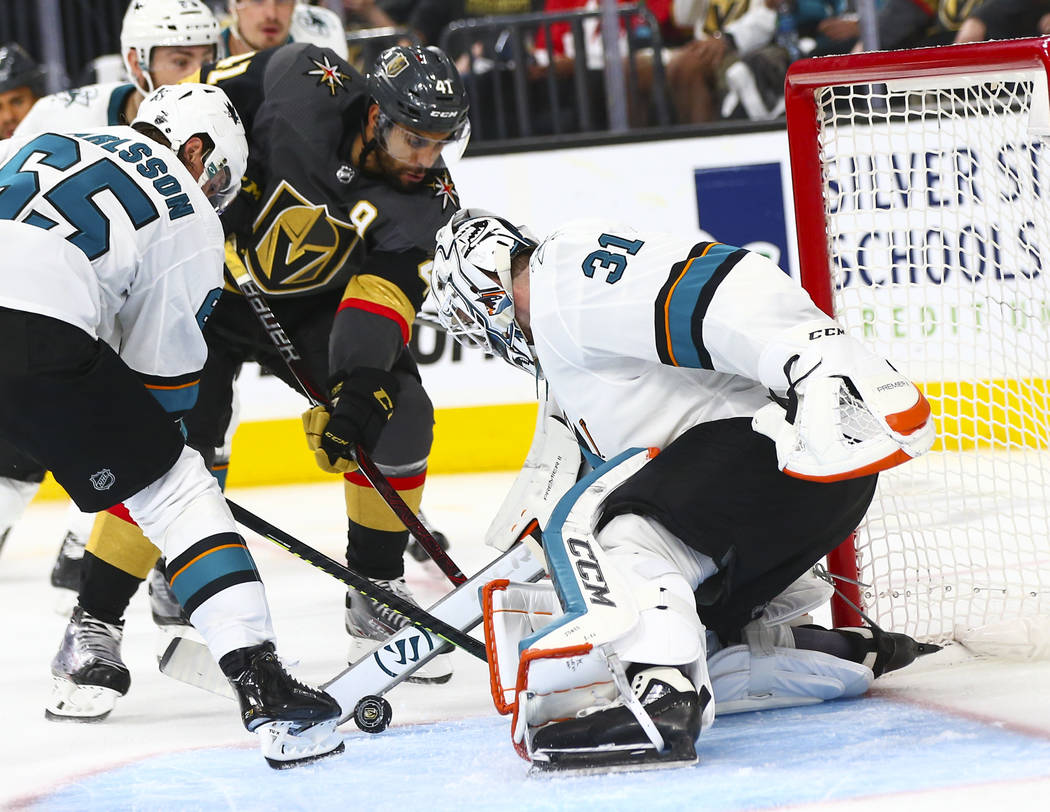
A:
(811, 110)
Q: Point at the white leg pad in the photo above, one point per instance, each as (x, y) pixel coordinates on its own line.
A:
(746, 681)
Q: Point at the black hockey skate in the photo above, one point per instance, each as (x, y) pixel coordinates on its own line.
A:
(65, 572)
(368, 623)
(87, 674)
(884, 651)
(295, 723)
(163, 604)
(611, 738)
(417, 551)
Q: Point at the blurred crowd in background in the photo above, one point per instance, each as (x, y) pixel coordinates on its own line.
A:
(537, 67)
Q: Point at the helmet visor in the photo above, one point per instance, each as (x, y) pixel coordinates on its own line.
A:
(219, 186)
(419, 148)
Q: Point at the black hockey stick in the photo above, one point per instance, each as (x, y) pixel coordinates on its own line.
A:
(375, 477)
(414, 614)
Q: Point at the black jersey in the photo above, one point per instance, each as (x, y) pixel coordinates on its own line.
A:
(306, 220)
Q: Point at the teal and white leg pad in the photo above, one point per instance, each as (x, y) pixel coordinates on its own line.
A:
(560, 650)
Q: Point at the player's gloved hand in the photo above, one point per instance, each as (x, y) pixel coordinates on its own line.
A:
(315, 421)
(362, 403)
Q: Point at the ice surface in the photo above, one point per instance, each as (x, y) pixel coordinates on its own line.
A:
(948, 733)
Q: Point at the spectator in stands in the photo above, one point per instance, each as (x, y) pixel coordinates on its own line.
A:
(21, 84)
(838, 30)
(258, 24)
(367, 14)
(919, 23)
(726, 31)
(1006, 19)
(755, 82)
(429, 18)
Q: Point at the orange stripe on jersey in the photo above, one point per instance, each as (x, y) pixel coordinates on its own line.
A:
(176, 386)
(670, 295)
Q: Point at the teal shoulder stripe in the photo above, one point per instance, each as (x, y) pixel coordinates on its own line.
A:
(176, 400)
(116, 104)
(682, 300)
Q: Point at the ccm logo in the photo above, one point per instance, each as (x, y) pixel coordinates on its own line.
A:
(590, 573)
(827, 331)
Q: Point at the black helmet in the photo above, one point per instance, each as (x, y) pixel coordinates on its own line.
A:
(419, 88)
(17, 69)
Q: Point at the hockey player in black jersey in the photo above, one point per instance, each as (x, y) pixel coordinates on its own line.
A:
(345, 189)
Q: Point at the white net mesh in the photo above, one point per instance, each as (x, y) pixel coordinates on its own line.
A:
(937, 203)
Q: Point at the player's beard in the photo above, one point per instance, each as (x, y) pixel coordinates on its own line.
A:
(395, 171)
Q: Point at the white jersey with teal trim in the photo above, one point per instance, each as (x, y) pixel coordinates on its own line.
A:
(154, 247)
(642, 336)
(82, 108)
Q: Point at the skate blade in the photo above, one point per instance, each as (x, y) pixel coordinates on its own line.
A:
(286, 744)
(70, 702)
(190, 661)
(611, 759)
(437, 671)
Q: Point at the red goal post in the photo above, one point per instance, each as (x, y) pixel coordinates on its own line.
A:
(918, 180)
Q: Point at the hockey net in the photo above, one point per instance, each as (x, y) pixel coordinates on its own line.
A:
(922, 193)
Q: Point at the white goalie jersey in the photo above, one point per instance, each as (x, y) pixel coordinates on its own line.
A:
(642, 337)
(153, 244)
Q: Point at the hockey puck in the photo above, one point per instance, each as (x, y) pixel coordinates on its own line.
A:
(372, 714)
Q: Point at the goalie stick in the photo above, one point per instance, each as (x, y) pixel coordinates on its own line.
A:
(375, 477)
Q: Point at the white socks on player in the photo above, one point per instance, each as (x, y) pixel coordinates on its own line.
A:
(182, 508)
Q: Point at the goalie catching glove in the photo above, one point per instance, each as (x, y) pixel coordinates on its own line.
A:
(846, 412)
(362, 403)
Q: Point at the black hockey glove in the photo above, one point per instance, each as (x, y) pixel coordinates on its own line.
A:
(362, 403)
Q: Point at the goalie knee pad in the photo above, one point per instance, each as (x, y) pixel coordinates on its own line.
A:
(846, 412)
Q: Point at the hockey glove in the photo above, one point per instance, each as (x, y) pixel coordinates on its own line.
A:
(362, 403)
(847, 414)
(315, 421)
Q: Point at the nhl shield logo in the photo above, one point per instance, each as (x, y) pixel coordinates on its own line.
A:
(103, 480)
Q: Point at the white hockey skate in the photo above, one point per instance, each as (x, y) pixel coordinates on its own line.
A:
(295, 723)
(652, 724)
(368, 622)
(87, 674)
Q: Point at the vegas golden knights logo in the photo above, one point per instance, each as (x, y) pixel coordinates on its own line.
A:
(298, 246)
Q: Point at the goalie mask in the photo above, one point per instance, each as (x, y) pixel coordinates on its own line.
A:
(183, 111)
(472, 284)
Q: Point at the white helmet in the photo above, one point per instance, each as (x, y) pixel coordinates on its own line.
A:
(472, 248)
(185, 110)
(150, 24)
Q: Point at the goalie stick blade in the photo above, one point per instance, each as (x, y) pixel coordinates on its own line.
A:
(190, 661)
(398, 657)
(613, 758)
